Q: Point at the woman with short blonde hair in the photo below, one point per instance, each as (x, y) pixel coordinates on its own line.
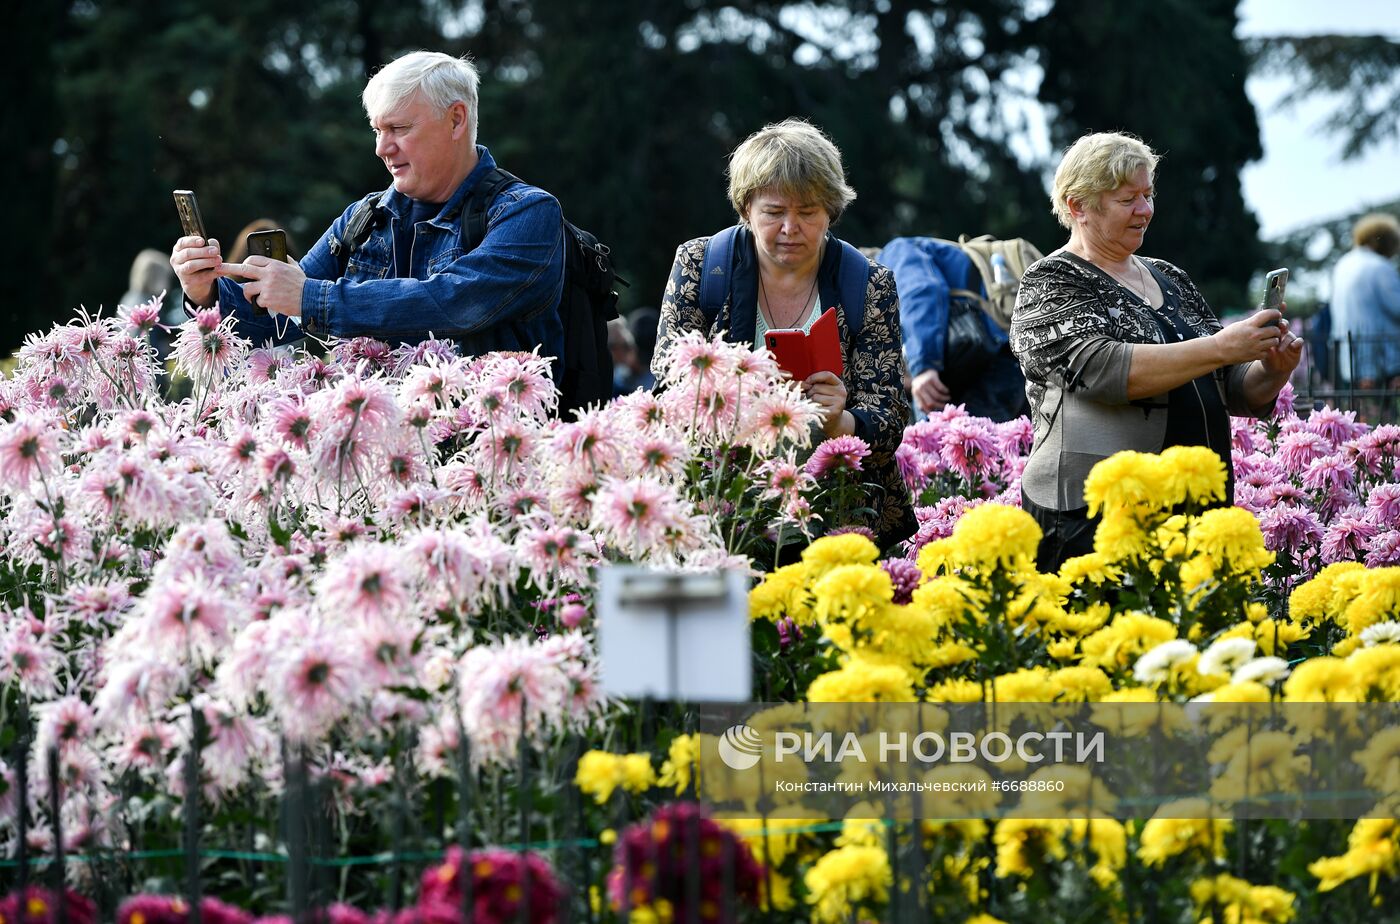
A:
(787, 186)
(797, 159)
(1121, 351)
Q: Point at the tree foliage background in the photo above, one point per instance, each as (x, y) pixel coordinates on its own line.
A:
(626, 112)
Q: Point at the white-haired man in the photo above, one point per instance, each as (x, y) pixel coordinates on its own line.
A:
(399, 265)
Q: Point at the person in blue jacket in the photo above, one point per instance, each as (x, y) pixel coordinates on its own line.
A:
(410, 278)
(936, 278)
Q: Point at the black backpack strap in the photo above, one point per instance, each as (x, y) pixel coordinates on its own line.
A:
(478, 202)
(357, 230)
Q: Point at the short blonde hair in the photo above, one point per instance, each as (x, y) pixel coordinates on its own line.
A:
(1378, 231)
(1095, 164)
(798, 160)
(441, 78)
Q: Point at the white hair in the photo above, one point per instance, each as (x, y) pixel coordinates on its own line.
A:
(441, 79)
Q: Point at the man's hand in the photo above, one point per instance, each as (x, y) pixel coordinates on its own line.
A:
(272, 286)
(196, 264)
(930, 394)
(828, 391)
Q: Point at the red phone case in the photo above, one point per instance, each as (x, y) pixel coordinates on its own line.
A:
(802, 353)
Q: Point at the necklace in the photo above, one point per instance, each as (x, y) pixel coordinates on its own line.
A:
(802, 307)
(1140, 290)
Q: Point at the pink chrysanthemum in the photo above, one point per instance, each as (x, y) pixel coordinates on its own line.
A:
(838, 454)
(186, 615)
(65, 724)
(206, 345)
(968, 446)
(661, 455)
(28, 450)
(1385, 550)
(1291, 529)
(1297, 449)
(30, 661)
(785, 479)
(1328, 473)
(1336, 425)
(141, 319)
(1383, 506)
(635, 513)
(524, 380)
(1347, 539)
(364, 583)
(314, 685)
(780, 416)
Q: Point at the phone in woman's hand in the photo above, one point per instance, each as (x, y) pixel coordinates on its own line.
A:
(1274, 285)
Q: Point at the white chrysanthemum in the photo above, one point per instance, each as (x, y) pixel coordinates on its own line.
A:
(1267, 671)
(1226, 656)
(1155, 666)
(1382, 633)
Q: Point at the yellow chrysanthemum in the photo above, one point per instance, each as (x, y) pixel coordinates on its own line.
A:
(1089, 569)
(996, 534)
(956, 690)
(1377, 672)
(1313, 600)
(1193, 473)
(1231, 534)
(1380, 760)
(599, 774)
(1027, 685)
(1023, 844)
(682, 761)
(1187, 826)
(1091, 619)
(847, 880)
(1377, 600)
(1065, 649)
(851, 593)
(1126, 481)
(1119, 644)
(1120, 537)
(936, 558)
(1373, 850)
(782, 593)
(1108, 840)
(1275, 635)
(859, 681)
(832, 551)
(1321, 680)
(1246, 692)
(1081, 684)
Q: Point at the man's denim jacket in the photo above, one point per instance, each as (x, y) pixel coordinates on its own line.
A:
(501, 295)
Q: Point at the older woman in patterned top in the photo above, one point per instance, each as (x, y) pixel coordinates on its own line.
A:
(788, 186)
(1121, 351)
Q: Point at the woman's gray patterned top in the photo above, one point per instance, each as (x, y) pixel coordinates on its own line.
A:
(1073, 332)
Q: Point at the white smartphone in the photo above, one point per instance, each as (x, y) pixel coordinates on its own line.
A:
(1274, 285)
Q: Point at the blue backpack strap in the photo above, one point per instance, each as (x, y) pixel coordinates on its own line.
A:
(716, 272)
(854, 280)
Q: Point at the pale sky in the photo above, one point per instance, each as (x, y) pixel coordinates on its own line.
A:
(1302, 177)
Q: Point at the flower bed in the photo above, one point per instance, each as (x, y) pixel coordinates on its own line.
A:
(328, 617)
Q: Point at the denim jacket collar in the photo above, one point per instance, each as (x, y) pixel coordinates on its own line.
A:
(398, 205)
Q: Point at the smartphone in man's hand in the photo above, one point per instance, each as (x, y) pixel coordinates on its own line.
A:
(1274, 285)
(270, 244)
(191, 221)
